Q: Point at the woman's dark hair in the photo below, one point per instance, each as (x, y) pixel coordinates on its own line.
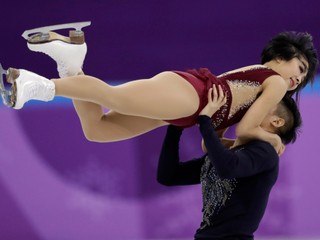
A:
(289, 111)
(288, 45)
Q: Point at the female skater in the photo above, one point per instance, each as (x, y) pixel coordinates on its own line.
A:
(289, 63)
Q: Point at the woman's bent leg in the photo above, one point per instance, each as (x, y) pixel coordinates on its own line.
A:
(112, 126)
(165, 96)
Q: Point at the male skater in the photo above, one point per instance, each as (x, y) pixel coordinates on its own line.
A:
(236, 182)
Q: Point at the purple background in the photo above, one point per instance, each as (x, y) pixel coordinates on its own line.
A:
(56, 185)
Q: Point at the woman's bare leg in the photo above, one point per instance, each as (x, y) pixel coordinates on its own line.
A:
(112, 126)
(163, 97)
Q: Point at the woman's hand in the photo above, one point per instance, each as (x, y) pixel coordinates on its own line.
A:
(278, 145)
(215, 101)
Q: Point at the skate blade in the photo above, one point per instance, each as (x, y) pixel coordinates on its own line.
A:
(6, 95)
(45, 30)
(48, 37)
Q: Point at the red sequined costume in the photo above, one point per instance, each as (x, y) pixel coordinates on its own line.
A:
(242, 86)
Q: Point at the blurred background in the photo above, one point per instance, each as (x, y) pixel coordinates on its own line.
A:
(55, 185)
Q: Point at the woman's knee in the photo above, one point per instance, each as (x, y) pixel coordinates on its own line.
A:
(90, 130)
(90, 134)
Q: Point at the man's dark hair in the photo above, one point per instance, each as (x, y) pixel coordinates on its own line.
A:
(288, 45)
(288, 110)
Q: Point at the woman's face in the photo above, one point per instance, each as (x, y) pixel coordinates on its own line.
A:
(293, 71)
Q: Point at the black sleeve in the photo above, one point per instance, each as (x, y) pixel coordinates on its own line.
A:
(249, 160)
(171, 171)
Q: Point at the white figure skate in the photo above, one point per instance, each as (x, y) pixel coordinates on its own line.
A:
(68, 52)
(25, 86)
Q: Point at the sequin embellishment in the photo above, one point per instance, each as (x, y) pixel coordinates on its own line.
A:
(244, 93)
(215, 191)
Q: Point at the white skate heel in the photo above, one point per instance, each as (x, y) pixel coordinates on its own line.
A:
(68, 52)
(26, 86)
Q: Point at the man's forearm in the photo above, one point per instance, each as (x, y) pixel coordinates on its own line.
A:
(172, 172)
(168, 163)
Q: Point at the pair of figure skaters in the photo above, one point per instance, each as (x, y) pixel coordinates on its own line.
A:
(257, 97)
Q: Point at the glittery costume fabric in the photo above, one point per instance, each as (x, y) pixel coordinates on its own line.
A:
(241, 89)
(215, 191)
